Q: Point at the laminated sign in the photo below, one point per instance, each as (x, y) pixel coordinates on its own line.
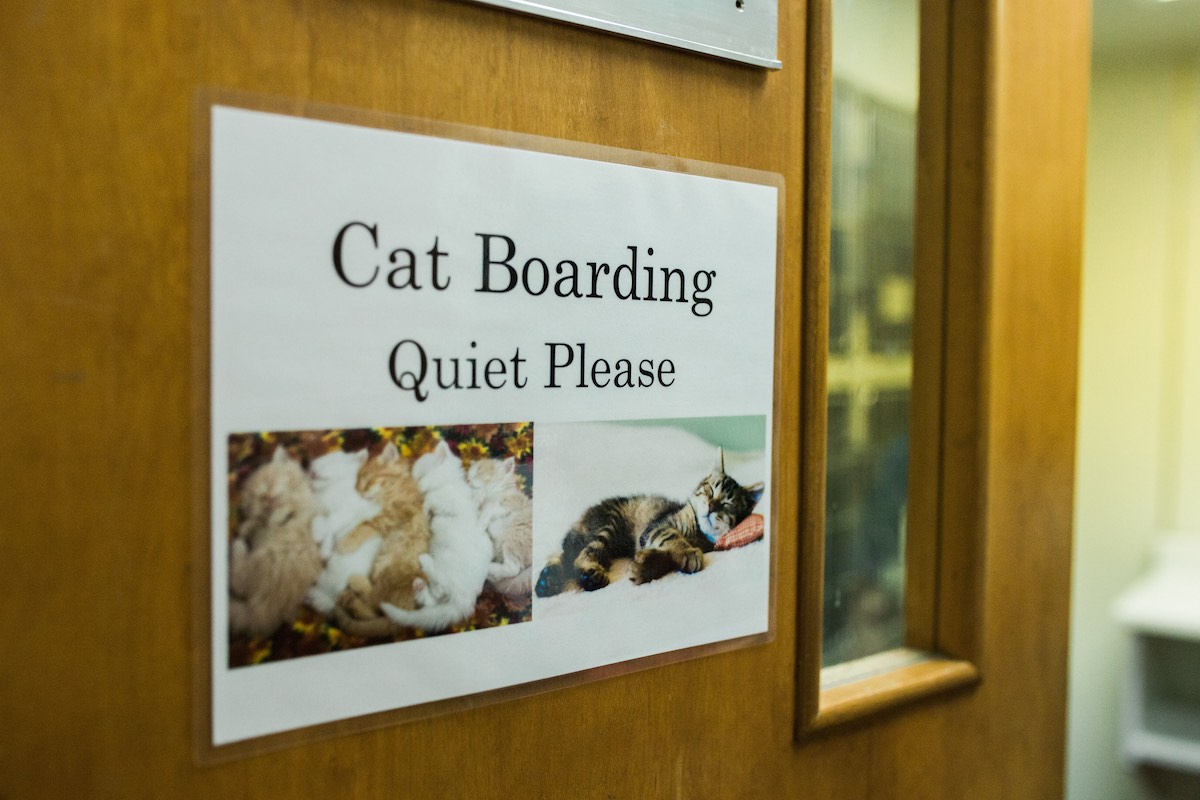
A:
(484, 411)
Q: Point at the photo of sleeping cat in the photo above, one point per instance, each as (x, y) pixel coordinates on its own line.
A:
(660, 535)
(340, 539)
(669, 513)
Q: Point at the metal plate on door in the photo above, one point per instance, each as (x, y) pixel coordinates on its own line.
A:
(739, 30)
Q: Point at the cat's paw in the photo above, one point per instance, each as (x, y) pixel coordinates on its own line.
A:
(326, 544)
(593, 577)
(321, 600)
(353, 599)
(691, 560)
(422, 595)
(550, 581)
(652, 564)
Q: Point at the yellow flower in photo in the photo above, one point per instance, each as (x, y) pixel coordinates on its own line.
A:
(241, 448)
(471, 451)
(334, 440)
(396, 436)
(423, 441)
(303, 628)
(261, 651)
(520, 442)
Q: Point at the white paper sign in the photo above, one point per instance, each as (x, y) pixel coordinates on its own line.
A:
(437, 367)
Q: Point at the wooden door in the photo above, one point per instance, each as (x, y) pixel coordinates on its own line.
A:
(96, 539)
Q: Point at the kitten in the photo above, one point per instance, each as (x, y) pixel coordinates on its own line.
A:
(660, 535)
(403, 531)
(460, 552)
(273, 559)
(506, 513)
(335, 476)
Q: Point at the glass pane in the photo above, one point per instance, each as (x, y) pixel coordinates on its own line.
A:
(870, 336)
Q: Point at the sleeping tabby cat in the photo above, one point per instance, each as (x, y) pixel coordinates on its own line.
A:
(659, 534)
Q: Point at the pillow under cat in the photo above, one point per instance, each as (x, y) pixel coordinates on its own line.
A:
(749, 530)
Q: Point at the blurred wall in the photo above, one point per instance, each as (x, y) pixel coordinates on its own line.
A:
(1138, 453)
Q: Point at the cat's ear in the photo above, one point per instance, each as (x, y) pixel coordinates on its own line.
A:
(390, 454)
(719, 467)
(510, 465)
(755, 491)
(280, 456)
(437, 455)
(360, 456)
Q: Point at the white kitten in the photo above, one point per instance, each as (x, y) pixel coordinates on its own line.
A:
(334, 476)
(507, 514)
(460, 551)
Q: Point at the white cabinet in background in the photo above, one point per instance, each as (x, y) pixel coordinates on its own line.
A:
(1161, 723)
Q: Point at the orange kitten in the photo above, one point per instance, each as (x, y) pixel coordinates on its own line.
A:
(403, 528)
(460, 552)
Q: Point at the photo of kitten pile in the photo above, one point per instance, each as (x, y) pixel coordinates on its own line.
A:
(345, 538)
